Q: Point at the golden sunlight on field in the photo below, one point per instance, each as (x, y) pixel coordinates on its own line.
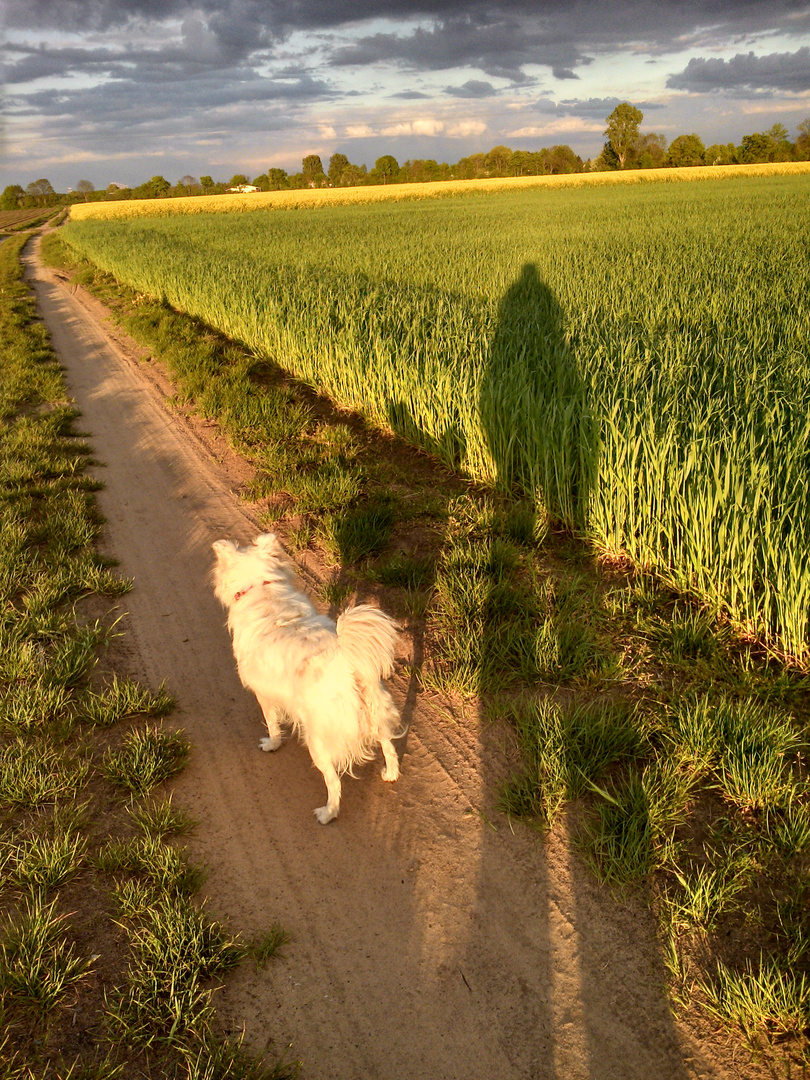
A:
(313, 197)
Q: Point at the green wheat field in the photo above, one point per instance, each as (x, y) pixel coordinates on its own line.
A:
(633, 358)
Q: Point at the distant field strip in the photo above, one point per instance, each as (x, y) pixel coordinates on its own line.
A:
(308, 198)
(634, 357)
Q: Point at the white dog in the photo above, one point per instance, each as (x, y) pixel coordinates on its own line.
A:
(325, 678)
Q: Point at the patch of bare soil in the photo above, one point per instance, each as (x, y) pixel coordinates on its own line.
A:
(429, 939)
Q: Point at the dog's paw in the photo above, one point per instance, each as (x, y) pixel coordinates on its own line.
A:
(325, 815)
(267, 744)
(390, 773)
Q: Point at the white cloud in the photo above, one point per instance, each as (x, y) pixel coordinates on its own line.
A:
(567, 125)
(327, 131)
(359, 131)
(415, 127)
(428, 127)
(466, 128)
(799, 104)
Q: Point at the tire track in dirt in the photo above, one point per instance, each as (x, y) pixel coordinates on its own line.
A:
(429, 940)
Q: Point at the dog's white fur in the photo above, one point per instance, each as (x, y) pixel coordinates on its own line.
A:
(323, 677)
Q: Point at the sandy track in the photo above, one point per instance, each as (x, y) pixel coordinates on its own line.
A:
(429, 941)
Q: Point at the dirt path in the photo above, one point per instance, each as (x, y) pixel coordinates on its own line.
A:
(429, 940)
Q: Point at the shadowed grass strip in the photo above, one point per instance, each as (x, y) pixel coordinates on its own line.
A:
(567, 750)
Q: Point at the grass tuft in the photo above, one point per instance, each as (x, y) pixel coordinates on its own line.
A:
(174, 953)
(125, 698)
(147, 758)
(39, 967)
(34, 774)
(164, 867)
(766, 1002)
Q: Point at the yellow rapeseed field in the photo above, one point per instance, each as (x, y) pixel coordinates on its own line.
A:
(313, 197)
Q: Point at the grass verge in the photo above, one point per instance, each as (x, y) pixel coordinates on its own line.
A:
(676, 746)
(108, 965)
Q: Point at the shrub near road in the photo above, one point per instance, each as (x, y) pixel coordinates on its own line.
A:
(633, 358)
(106, 962)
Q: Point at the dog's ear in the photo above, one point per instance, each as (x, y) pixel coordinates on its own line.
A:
(267, 542)
(223, 549)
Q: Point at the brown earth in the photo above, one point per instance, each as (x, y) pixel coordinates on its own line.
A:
(430, 938)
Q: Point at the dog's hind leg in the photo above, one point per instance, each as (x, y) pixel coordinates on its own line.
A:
(323, 762)
(391, 769)
(273, 740)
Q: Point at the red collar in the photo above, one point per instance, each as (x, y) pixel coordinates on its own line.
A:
(239, 595)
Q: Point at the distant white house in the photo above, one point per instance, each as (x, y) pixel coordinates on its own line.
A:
(243, 189)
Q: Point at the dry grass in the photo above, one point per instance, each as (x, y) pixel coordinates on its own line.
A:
(308, 198)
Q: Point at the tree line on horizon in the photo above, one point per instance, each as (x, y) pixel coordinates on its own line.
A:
(626, 147)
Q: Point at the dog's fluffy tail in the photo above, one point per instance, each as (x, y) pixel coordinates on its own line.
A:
(367, 639)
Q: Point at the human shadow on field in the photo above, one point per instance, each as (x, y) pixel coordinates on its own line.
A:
(535, 415)
(533, 404)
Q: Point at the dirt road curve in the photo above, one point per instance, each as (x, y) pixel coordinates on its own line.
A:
(429, 941)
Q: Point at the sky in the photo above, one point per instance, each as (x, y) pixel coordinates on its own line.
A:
(122, 90)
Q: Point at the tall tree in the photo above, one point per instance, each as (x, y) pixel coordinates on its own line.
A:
(754, 148)
(720, 154)
(311, 168)
(622, 130)
(686, 150)
(85, 187)
(276, 179)
(386, 167)
(40, 190)
(498, 159)
(354, 174)
(803, 141)
(338, 164)
(10, 199)
(650, 151)
(562, 159)
(781, 148)
(157, 187)
(470, 168)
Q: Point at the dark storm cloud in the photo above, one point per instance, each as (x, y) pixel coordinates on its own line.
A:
(498, 37)
(608, 18)
(498, 46)
(42, 63)
(746, 72)
(472, 88)
(196, 49)
(107, 108)
(502, 38)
